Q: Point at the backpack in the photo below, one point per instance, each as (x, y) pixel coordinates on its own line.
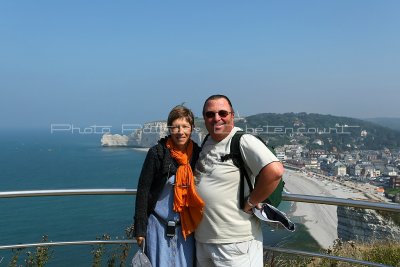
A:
(276, 197)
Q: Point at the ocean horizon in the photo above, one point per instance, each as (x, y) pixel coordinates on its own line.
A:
(38, 160)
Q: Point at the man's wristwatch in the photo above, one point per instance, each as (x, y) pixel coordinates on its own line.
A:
(250, 204)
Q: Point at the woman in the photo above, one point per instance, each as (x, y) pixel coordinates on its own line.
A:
(168, 208)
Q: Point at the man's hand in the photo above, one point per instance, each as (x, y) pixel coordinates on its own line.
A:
(267, 180)
(248, 206)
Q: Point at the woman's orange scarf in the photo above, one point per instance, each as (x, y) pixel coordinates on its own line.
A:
(186, 200)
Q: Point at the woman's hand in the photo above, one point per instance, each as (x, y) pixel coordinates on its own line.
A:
(139, 240)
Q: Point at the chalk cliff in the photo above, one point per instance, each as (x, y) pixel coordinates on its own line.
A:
(365, 225)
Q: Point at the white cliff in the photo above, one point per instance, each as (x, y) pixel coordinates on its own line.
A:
(109, 139)
(365, 225)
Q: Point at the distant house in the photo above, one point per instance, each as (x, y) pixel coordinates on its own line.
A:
(311, 164)
(364, 170)
(348, 159)
(391, 171)
(394, 182)
(290, 155)
(280, 154)
(368, 171)
(295, 162)
(317, 153)
(358, 170)
(318, 142)
(379, 169)
(325, 165)
(364, 133)
(339, 169)
(355, 155)
(293, 151)
(371, 155)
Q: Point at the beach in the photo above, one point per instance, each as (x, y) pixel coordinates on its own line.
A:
(321, 220)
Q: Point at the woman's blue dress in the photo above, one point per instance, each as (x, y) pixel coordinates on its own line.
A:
(161, 249)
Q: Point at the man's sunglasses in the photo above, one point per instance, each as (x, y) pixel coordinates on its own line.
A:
(221, 113)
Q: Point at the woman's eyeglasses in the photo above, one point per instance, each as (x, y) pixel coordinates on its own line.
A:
(176, 129)
(221, 113)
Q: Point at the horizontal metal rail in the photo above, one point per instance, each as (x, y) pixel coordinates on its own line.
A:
(330, 257)
(67, 192)
(342, 202)
(285, 196)
(118, 191)
(68, 243)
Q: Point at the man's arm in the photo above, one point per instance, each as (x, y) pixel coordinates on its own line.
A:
(267, 180)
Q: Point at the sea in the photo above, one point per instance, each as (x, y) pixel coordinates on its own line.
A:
(41, 160)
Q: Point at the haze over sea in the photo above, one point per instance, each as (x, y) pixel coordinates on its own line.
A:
(33, 160)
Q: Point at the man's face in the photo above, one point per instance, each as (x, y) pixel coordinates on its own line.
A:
(218, 118)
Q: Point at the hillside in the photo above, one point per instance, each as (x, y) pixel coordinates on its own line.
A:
(392, 123)
(320, 131)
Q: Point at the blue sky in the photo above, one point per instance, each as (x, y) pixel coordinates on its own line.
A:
(115, 62)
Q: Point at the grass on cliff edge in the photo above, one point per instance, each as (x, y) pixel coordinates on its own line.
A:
(383, 252)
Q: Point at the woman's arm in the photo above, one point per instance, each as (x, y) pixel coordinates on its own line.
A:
(142, 197)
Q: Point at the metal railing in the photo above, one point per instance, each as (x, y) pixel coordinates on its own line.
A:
(67, 192)
(118, 191)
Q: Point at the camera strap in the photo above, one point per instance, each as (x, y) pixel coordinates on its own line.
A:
(164, 221)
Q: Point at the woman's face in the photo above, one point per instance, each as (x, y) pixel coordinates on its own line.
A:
(180, 131)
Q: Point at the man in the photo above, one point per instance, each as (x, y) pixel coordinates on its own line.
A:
(229, 235)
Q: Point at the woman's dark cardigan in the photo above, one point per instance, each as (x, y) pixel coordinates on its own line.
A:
(157, 167)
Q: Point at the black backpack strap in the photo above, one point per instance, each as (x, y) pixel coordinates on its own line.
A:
(204, 141)
(234, 153)
(237, 159)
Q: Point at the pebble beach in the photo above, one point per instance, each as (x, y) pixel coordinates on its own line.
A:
(320, 220)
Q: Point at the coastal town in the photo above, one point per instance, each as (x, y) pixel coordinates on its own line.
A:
(370, 171)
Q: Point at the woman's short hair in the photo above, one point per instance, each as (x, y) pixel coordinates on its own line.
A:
(179, 112)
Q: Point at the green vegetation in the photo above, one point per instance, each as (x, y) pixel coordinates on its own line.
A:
(383, 252)
(392, 191)
(341, 133)
(113, 255)
(38, 258)
(116, 256)
(390, 216)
